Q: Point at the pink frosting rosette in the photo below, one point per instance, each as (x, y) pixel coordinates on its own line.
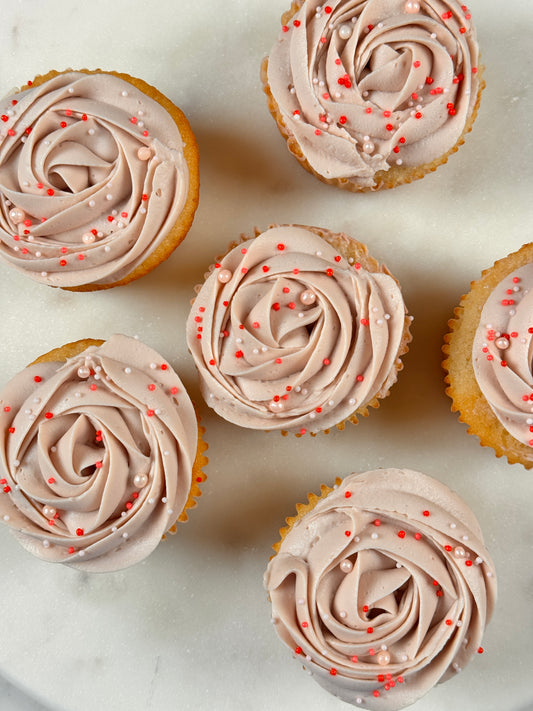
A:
(383, 588)
(92, 178)
(96, 455)
(288, 334)
(365, 85)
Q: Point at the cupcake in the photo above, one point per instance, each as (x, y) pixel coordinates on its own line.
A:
(98, 179)
(382, 587)
(488, 358)
(100, 454)
(297, 329)
(372, 94)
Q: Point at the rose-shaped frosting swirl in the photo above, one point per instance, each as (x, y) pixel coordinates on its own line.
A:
(92, 179)
(384, 588)
(363, 85)
(288, 335)
(502, 353)
(96, 455)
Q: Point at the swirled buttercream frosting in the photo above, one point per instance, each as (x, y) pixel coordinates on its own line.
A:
(289, 334)
(93, 178)
(501, 354)
(365, 85)
(383, 588)
(96, 455)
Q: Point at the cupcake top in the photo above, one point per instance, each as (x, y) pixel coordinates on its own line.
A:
(383, 588)
(364, 85)
(288, 335)
(96, 455)
(501, 354)
(92, 178)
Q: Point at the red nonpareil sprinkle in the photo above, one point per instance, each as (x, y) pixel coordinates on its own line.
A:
(145, 196)
(305, 624)
(318, 132)
(333, 671)
(447, 15)
(298, 650)
(50, 191)
(255, 324)
(291, 305)
(129, 505)
(284, 28)
(63, 124)
(278, 361)
(418, 115)
(11, 430)
(399, 679)
(4, 118)
(425, 513)
(48, 415)
(266, 269)
(6, 489)
(71, 550)
(93, 386)
(355, 659)
(480, 650)
(401, 534)
(133, 119)
(347, 494)
(389, 127)
(416, 64)
(368, 110)
(326, 361)
(212, 361)
(98, 465)
(295, 271)
(327, 9)
(174, 390)
(79, 532)
(244, 270)
(150, 413)
(329, 271)
(342, 119)
(286, 290)
(239, 354)
(11, 132)
(364, 322)
(281, 247)
(503, 363)
(296, 23)
(81, 257)
(360, 378)
(51, 480)
(369, 630)
(375, 693)
(449, 622)
(377, 522)
(365, 608)
(418, 536)
(347, 533)
(7, 408)
(338, 258)
(439, 593)
(468, 563)
(151, 387)
(164, 366)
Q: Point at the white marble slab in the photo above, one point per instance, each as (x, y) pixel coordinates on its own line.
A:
(190, 627)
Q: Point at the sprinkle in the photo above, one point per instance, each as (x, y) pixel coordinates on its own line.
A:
(401, 534)
(79, 531)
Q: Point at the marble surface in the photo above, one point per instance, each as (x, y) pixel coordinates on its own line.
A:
(190, 627)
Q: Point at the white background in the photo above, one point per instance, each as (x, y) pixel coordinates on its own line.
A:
(190, 627)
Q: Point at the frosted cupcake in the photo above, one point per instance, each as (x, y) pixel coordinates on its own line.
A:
(98, 179)
(488, 363)
(297, 330)
(370, 94)
(100, 454)
(382, 587)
